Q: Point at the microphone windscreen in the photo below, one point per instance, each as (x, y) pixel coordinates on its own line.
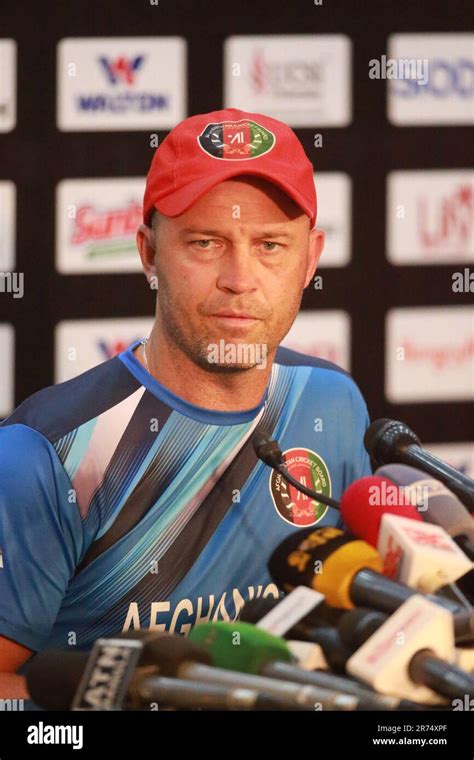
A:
(256, 609)
(443, 506)
(367, 500)
(240, 646)
(324, 559)
(384, 440)
(53, 677)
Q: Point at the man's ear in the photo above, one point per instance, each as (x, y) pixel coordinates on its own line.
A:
(316, 245)
(146, 249)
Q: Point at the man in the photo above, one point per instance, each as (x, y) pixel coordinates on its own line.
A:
(131, 495)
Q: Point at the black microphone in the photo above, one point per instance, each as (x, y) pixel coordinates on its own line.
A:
(443, 508)
(389, 441)
(347, 572)
(126, 674)
(440, 506)
(423, 666)
(314, 627)
(268, 450)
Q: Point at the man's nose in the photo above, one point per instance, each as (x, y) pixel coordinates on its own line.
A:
(238, 270)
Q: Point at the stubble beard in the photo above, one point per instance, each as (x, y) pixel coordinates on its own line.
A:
(197, 347)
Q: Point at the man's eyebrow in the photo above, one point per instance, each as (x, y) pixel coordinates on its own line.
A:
(265, 234)
(198, 231)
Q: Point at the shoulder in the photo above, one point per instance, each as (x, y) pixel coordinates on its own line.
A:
(288, 357)
(29, 465)
(58, 409)
(324, 375)
(19, 443)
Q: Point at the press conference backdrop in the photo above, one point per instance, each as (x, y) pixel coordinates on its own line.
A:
(88, 90)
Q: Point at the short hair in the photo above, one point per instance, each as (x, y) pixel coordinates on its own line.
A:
(154, 219)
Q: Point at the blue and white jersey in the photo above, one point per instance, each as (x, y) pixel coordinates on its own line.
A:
(76, 457)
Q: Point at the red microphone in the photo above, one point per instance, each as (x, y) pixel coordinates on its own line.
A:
(367, 500)
(421, 555)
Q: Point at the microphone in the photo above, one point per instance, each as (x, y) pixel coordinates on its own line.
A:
(442, 508)
(357, 625)
(268, 451)
(420, 554)
(348, 572)
(409, 655)
(354, 628)
(439, 504)
(263, 654)
(313, 626)
(465, 658)
(305, 627)
(366, 501)
(388, 441)
(169, 658)
(287, 612)
(120, 674)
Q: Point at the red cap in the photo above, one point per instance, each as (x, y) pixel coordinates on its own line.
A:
(206, 149)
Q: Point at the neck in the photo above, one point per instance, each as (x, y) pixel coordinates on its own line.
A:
(212, 390)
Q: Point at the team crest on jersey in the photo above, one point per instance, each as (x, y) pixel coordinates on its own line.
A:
(309, 469)
(236, 139)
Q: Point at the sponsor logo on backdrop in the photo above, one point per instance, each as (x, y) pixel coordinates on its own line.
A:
(121, 83)
(447, 96)
(430, 217)
(121, 70)
(309, 469)
(429, 354)
(325, 334)
(7, 225)
(304, 80)
(7, 338)
(334, 216)
(97, 220)
(7, 85)
(82, 344)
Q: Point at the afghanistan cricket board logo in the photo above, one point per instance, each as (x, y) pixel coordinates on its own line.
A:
(236, 139)
(310, 470)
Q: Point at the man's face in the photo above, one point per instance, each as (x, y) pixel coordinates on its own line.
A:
(232, 268)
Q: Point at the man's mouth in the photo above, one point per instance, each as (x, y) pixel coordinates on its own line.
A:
(234, 315)
(232, 320)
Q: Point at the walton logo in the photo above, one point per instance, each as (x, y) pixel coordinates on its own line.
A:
(122, 69)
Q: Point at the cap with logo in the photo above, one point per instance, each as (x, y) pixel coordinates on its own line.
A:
(206, 149)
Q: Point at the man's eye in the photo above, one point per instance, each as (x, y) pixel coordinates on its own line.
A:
(267, 243)
(202, 243)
